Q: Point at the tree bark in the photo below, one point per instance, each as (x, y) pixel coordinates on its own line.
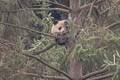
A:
(75, 66)
(75, 69)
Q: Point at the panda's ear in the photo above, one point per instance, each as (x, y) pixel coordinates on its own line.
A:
(55, 22)
(66, 22)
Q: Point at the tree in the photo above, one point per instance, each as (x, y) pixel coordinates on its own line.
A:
(88, 39)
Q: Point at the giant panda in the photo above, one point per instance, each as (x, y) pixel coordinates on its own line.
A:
(60, 30)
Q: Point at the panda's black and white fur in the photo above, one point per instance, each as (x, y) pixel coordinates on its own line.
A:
(59, 27)
(60, 30)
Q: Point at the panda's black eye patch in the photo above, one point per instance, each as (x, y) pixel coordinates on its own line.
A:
(55, 22)
(59, 28)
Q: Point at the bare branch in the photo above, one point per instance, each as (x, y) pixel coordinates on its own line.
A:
(112, 25)
(44, 76)
(94, 73)
(16, 26)
(110, 8)
(41, 9)
(102, 77)
(106, 10)
(19, 3)
(91, 7)
(46, 64)
(88, 5)
(44, 50)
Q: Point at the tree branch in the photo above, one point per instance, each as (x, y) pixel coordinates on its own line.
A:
(44, 76)
(112, 25)
(102, 77)
(93, 74)
(41, 9)
(46, 64)
(19, 3)
(110, 8)
(88, 5)
(91, 7)
(44, 50)
(12, 25)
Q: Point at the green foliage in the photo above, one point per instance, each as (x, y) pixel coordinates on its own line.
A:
(71, 25)
(113, 64)
(98, 46)
(47, 23)
(20, 44)
(95, 43)
(83, 49)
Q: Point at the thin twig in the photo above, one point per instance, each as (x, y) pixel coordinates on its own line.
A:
(91, 7)
(46, 64)
(112, 25)
(44, 76)
(110, 8)
(20, 4)
(44, 50)
(16, 26)
(90, 10)
(102, 77)
(88, 5)
(94, 73)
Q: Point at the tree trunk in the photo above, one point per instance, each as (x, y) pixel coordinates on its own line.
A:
(75, 69)
(75, 66)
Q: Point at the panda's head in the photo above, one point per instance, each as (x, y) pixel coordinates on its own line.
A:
(59, 27)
